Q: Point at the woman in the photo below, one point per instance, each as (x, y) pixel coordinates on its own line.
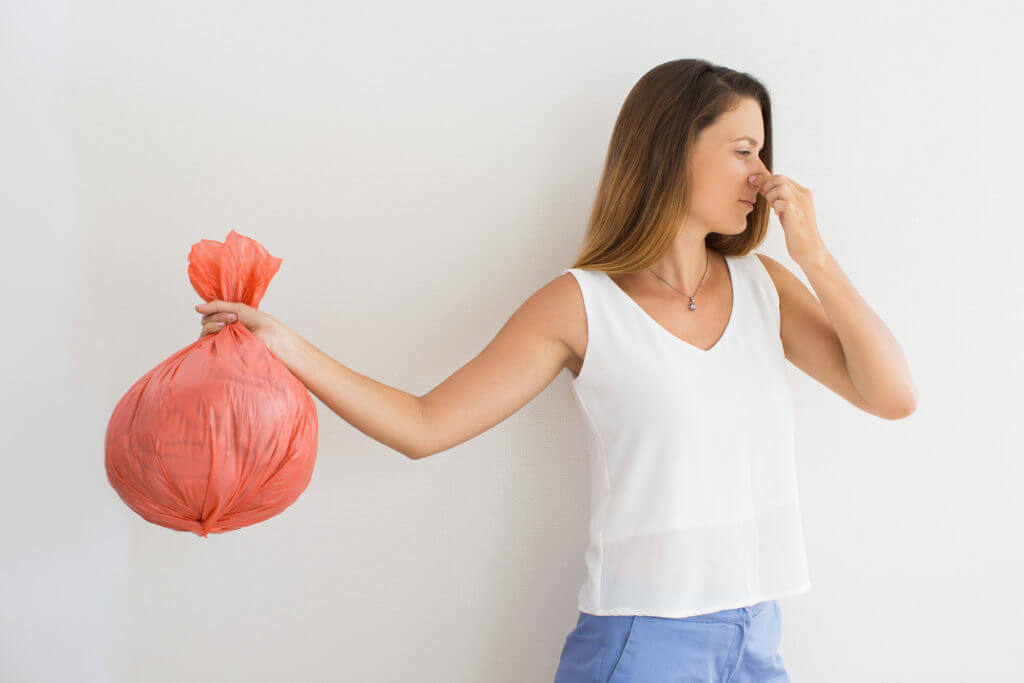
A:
(676, 335)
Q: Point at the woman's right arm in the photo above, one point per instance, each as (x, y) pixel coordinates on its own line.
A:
(391, 416)
(524, 357)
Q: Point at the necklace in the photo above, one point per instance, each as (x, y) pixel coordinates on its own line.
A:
(693, 304)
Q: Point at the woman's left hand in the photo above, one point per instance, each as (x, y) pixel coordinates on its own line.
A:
(794, 206)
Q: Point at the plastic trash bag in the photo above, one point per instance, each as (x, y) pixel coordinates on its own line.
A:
(220, 435)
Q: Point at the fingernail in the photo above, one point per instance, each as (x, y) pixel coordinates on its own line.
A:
(221, 324)
(232, 317)
(751, 179)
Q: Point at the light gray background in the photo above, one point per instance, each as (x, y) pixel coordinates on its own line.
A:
(421, 169)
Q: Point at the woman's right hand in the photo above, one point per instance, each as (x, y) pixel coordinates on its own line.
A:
(218, 314)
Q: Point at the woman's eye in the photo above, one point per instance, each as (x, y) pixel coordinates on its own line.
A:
(745, 151)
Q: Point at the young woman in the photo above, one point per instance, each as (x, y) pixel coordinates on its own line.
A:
(676, 335)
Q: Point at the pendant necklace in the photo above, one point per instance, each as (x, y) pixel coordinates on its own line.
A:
(693, 304)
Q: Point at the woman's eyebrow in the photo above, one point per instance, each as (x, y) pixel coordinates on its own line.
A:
(745, 137)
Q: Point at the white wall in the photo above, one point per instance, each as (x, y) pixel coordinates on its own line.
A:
(421, 170)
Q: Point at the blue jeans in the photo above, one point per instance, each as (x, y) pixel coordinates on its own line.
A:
(729, 646)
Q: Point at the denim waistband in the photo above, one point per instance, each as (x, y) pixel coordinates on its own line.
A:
(734, 615)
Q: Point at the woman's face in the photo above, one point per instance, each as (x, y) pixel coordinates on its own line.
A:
(723, 158)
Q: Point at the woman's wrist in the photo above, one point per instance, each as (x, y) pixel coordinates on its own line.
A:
(281, 341)
(300, 357)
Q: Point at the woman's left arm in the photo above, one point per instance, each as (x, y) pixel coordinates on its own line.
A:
(837, 338)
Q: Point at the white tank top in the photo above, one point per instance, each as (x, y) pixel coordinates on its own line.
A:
(694, 504)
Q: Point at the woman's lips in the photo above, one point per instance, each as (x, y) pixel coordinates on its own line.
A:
(750, 204)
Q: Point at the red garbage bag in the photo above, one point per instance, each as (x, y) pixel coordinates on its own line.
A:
(220, 435)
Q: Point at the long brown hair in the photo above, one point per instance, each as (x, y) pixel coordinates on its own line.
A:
(642, 197)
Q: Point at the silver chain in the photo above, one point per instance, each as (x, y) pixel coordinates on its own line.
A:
(693, 304)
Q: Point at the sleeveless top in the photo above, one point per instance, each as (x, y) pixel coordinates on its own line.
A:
(694, 504)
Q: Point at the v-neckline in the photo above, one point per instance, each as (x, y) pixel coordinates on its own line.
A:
(728, 323)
